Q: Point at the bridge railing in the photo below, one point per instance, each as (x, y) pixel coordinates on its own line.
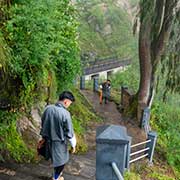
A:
(106, 65)
(100, 60)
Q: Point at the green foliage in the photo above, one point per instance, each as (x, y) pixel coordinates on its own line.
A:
(166, 120)
(3, 54)
(157, 176)
(131, 176)
(105, 29)
(128, 77)
(11, 144)
(38, 55)
(42, 37)
(82, 114)
(159, 171)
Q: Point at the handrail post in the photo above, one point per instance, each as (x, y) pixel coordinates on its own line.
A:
(82, 82)
(128, 155)
(153, 137)
(95, 84)
(111, 146)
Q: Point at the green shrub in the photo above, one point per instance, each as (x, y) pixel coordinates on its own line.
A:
(42, 37)
(82, 114)
(166, 120)
(129, 78)
(131, 176)
(157, 176)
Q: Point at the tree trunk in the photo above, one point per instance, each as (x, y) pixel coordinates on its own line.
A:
(145, 64)
(156, 21)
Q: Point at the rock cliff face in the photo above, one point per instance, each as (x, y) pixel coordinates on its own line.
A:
(29, 127)
(106, 27)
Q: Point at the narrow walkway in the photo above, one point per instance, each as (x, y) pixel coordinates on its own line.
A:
(111, 115)
(80, 167)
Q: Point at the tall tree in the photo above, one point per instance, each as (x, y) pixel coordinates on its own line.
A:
(156, 20)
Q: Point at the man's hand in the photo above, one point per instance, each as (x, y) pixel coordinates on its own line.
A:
(73, 144)
(40, 143)
(73, 150)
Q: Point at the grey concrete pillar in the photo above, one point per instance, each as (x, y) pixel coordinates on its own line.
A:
(144, 123)
(111, 146)
(82, 82)
(96, 84)
(153, 137)
(127, 165)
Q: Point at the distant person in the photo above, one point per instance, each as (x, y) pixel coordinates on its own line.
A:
(57, 130)
(100, 94)
(105, 88)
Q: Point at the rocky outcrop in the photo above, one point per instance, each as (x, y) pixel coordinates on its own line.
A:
(29, 127)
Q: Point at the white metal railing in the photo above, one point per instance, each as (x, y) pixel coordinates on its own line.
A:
(133, 160)
(140, 151)
(116, 170)
(138, 144)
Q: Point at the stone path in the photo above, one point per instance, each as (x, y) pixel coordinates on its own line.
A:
(80, 167)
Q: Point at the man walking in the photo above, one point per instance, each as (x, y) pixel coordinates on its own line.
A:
(57, 130)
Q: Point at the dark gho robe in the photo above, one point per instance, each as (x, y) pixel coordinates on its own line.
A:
(106, 90)
(57, 128)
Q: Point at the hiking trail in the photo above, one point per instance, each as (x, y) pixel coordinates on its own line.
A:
(80, 167)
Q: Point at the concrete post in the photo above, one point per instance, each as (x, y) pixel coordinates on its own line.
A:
(82, 82)
(145, 119)
(153, 137)
(127, 165)
(96, 84)
(111, 147)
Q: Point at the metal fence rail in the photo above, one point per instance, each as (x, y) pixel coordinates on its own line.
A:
(148, 150)
(141, 143)
(116, 170)
(140, 151)
(133, 160)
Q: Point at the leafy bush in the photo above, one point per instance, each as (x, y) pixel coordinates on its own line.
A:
(131, 176)
(128, 77)
(157, 176)
(44, 52)
(38, 55)
(82, 114)
(166, 120)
